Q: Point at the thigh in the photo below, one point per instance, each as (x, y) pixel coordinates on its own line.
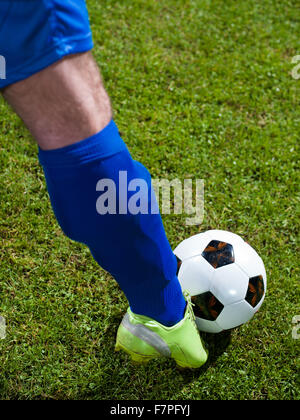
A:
(52, 80)
(36, 33)
(62, 104)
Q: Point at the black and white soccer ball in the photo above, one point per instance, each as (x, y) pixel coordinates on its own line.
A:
(225, 277)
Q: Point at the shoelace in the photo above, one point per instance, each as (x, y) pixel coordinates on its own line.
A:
(190, 305)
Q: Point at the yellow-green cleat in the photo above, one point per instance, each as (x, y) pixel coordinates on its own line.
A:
(144, 339)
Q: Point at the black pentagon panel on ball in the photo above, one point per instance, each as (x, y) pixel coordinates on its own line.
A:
(179, 262)
(207, 306)
(255, 290)
(218, 253)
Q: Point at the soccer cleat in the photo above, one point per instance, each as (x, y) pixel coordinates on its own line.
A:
(144, 339)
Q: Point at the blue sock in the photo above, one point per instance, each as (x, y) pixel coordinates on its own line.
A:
(132, 247)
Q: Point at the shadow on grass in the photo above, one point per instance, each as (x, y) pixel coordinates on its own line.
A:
(217, 344)
(120, 379)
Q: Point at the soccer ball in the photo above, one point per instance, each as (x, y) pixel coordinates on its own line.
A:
(225, 277)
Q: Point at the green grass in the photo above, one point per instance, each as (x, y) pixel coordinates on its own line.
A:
(200, 89)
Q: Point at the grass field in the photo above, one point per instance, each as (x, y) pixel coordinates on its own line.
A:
(200, 89)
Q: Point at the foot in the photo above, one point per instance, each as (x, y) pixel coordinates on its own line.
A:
(144, 339)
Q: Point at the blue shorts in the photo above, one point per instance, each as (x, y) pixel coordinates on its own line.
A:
(37, 33)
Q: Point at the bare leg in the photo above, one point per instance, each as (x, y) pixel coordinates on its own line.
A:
(64, 103)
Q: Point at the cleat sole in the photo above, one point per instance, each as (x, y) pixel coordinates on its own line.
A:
(135, 357)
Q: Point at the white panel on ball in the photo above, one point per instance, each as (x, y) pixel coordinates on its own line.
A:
(208, 326)
(235, 314)
(225, 236)
(249, 261)
(192, 246)
(229, 284)
(195, 275)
